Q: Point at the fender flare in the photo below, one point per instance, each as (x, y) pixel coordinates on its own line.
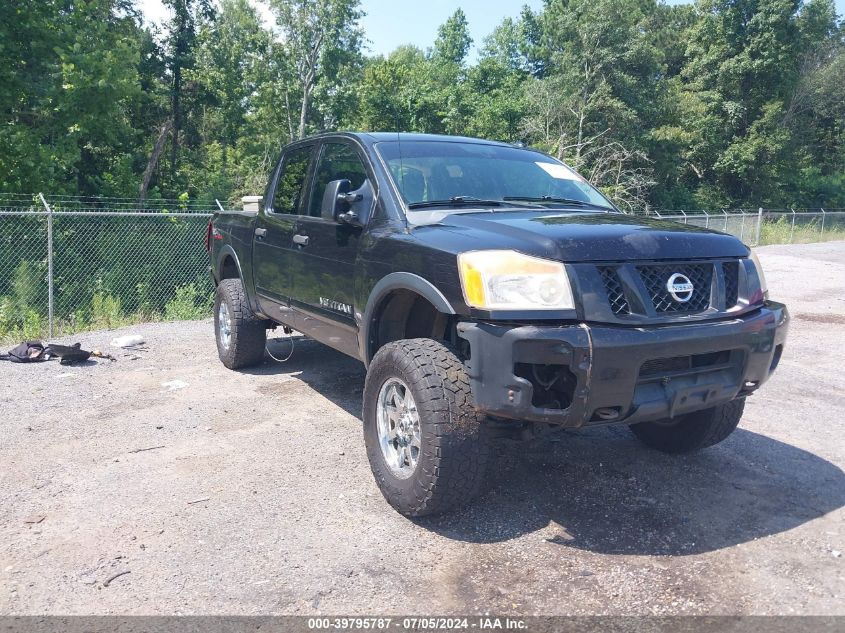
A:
(388, 284)
(227, 251)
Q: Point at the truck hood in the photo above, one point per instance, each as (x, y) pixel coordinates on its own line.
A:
(583, 237)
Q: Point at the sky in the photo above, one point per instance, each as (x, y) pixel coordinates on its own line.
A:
(391, 23)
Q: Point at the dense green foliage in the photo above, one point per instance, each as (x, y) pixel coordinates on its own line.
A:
(721, 103)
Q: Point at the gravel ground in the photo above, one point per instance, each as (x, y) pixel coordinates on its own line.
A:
(255, 496)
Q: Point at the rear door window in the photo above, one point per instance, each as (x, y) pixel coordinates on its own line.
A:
(290, 188)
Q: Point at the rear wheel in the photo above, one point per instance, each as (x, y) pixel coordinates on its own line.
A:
(693, 431)
(426, 444)
(241, 336)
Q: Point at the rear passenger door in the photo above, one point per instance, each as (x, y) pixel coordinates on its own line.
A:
(324, 278)
(274, 250)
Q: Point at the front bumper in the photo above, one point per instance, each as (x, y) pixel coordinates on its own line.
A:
(623, 374)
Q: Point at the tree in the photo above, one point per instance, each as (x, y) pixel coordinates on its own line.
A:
(453, 40)
(600, 82)
(320, 37)
(181, 41)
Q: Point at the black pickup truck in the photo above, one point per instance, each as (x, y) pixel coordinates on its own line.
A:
(490, 290)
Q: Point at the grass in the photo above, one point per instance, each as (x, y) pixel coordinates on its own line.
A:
(104, 313)
(782, 231)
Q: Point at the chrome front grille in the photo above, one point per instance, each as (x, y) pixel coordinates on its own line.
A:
(655, 278)
(653, 295)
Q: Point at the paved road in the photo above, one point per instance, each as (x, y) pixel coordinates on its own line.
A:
(260, 499)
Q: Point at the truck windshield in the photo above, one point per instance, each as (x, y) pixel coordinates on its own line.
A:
(464, 174)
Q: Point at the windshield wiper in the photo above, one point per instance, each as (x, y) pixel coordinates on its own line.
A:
(465, 200)
(543, 199)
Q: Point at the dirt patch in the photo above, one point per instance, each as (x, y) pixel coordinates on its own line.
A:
(832, 319)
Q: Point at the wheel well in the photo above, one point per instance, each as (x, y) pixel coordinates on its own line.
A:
(229, 269)
(405, 314)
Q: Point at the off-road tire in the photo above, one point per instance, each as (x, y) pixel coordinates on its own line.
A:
(454, 449)
(692, 431)
(248, 332)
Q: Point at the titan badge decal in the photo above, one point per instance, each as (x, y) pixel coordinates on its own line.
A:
(337, 306)
(680, 288)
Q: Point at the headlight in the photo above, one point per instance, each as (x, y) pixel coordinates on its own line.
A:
(507, 280)
(764, 288)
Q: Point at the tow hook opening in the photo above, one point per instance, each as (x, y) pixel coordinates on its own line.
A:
(553, 385)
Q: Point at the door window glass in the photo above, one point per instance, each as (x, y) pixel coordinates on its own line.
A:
(338, 161)
(291, 186)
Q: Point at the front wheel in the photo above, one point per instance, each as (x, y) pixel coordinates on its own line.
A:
(693, 431)
(426, 443)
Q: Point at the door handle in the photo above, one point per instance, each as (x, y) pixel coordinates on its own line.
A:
(260, 233)
(300, 240)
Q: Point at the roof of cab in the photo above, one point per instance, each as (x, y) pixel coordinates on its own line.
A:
(415, 136)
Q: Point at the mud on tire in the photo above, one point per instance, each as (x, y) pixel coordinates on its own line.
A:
(454, 447)
(692, 431)
(244, 346)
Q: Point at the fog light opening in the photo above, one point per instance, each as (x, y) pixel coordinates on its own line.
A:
(553, 386)
(606, 414)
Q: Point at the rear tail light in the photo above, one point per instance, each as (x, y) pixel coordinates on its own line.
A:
(208, 231)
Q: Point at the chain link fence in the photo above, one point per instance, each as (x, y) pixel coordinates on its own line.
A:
(69, 264)
(759, 227)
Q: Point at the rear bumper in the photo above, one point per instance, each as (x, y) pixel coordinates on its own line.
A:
(623, 374)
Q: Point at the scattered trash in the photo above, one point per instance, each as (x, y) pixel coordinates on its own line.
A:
(26, 352)
(173, 385)
(149, 448)
(35, 351)
(35, 518)
(113, 576)
(130, 340)
(68, 354)
(836, 553)
(199, 500)
(67, 375)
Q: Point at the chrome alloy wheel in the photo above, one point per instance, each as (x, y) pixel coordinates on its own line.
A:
(398, 428)
(224, 326)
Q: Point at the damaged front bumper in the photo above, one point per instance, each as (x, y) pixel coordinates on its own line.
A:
(582, 374)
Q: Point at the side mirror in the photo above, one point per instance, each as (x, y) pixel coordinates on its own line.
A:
(337, 201)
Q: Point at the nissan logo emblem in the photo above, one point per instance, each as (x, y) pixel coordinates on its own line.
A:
(680, 288)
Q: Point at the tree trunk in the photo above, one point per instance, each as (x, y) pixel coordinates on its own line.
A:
(176, 119)
(152, 163)
(303, 111)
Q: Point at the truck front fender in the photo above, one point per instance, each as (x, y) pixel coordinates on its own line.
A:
(387, 285)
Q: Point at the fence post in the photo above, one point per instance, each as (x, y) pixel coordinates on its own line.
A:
(742, 227)
(792, 230)
(219, 206)
(823, 216)
(759, 226)
(707, 220)
(49, 264)
(726, 220)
